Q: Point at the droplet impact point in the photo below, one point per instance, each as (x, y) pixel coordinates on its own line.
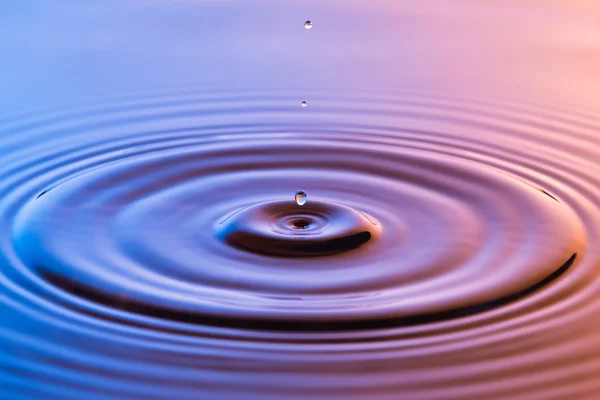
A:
(303, 104)
(300, 197)
(308, 25)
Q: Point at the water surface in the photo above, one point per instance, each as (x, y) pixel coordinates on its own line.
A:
(151, 245)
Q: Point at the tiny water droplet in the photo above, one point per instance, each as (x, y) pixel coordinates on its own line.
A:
(308, 25)
(300, 197)
(304, 104)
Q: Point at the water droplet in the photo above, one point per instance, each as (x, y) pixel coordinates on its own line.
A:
(300, 197)
(304, 104)
(308, 25)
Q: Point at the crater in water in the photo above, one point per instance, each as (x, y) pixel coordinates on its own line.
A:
(297, 229)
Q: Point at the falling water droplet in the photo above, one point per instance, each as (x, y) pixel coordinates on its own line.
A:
(308, 25)
(300, 197)
(304, 104)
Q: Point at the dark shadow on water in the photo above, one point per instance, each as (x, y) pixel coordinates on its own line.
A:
(300, 248)
(131, 305)
(549, 195)
(44, 192)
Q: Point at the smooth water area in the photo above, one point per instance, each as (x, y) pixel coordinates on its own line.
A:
(155, 243)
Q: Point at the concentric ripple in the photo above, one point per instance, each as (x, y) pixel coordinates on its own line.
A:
(437, 249)
(291, 230)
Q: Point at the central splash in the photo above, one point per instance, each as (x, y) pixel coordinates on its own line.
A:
(293, 229)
